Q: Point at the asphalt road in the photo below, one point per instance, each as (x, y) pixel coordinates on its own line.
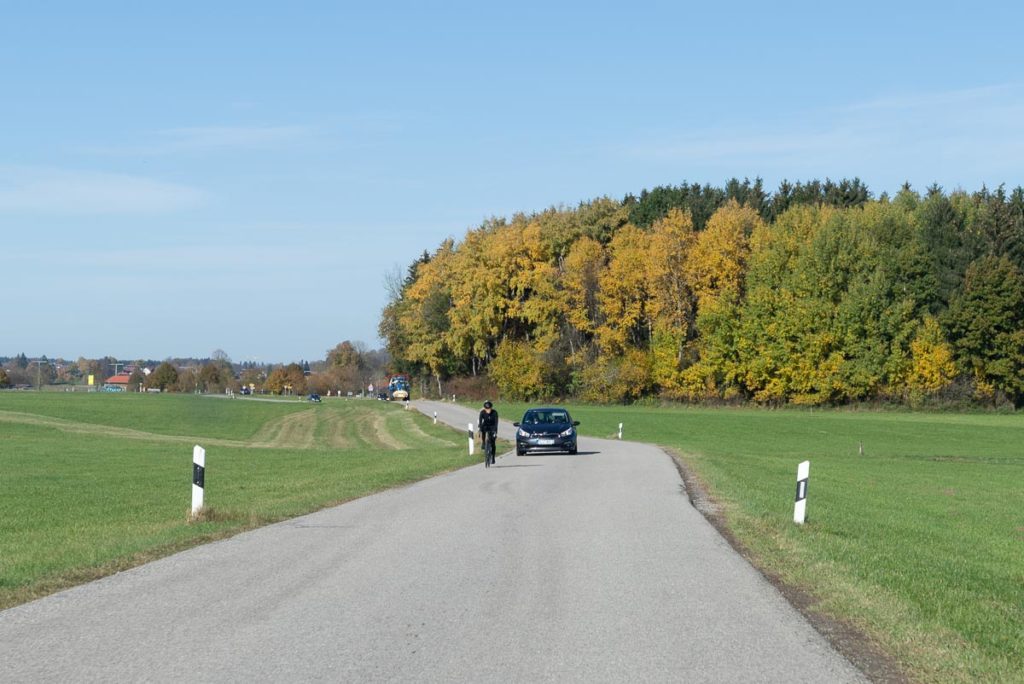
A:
(544, 568)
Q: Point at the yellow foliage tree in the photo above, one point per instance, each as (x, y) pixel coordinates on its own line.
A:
(424, 316)
(517, 371)
(622, 378)
(671, 305)
(581, 273)
(623, 294)
(718, 259)
(932, 366)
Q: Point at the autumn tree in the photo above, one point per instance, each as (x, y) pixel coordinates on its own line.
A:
(345, 354)
(136, 380)
(671, 305)
(288, 379)
(623, 295)
(932, 366)
(165, 377)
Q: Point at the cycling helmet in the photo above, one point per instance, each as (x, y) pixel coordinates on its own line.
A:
(487, 404)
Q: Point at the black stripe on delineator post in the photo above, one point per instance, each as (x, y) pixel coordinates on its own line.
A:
(198, 475)
(801, 490)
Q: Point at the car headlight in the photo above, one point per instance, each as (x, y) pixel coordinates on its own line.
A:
(522, 433)
(567, 433)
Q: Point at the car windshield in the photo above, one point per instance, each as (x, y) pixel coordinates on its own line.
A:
(541, 417)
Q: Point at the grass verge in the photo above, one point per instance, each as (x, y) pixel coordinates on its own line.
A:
(82, 503)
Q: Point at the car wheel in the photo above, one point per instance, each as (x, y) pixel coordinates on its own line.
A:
(520, 452)
(572, 451)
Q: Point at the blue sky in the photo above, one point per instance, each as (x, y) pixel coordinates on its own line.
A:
(240, 176)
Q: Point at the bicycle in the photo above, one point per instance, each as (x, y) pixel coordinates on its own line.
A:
(488, 444)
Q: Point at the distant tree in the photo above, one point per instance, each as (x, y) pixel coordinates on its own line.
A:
(602, 218)
(344, 354)
(287, 380)
(654, 205)
(21, 361)
(517, 372)
(932, 359)
(136, 379)
(165, 377)
(986, 324)
(999, 220)
(5, 380)
(188, 379)
(946, 244)
(623, 295)
(212, 377)
(253, 377)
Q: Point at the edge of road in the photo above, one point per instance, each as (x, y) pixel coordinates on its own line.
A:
(849, 641)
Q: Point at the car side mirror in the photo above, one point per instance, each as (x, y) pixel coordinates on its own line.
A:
(575, 422)
(515, 424)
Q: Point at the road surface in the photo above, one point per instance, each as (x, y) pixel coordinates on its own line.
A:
(590, 568)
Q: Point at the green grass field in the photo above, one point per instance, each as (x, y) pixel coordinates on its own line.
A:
(919, 542)
(95, 483)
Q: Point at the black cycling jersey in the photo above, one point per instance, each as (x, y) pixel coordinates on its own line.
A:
(488, 421)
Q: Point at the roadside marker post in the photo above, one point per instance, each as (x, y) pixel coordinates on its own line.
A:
(435, 417)
(470, 438)
(803, 472)
(198, 478)
(620, 430)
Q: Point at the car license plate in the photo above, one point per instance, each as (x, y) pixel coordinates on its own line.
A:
(545, 442)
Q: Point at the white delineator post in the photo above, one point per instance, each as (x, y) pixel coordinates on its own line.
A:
(470, 438)
(620, 430)
(435, 417)
(198, 478)
(803, 472)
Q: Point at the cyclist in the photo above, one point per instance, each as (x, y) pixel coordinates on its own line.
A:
(488, 426)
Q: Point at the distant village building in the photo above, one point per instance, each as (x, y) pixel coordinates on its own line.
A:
(117, 383)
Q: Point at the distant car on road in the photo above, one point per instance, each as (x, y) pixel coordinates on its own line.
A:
(546, 429)
(314, 398)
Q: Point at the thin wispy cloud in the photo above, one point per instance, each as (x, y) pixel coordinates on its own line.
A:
(929, 99)
(223, 137)
(191, 139)
(32, 190)
(964, 136)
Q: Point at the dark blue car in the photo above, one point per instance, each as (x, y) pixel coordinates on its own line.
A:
(546, 429)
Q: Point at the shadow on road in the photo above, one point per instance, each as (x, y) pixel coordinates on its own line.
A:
(520, 465)
(563, 455)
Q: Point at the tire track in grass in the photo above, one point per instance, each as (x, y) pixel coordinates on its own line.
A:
(416, 434)
(338, 430)
(74, 427)
(293, 431)
(372, 429)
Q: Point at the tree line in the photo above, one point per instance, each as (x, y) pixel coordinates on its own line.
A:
(818, 293)
(348, 367)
